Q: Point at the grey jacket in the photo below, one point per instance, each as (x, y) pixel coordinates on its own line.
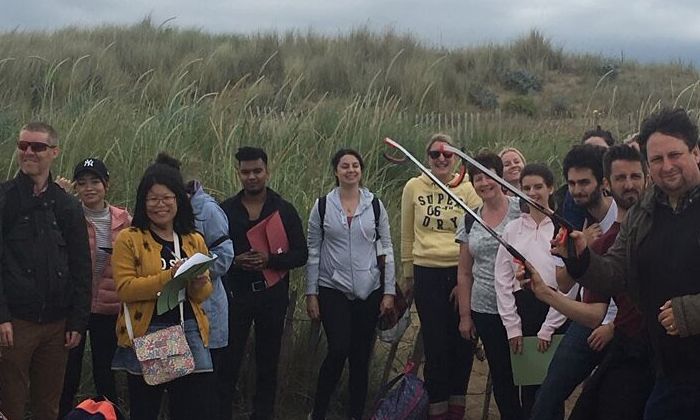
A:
(210, 220)
(617, 270)
(345, 258)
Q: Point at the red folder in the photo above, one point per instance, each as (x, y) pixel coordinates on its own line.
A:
(269, 237)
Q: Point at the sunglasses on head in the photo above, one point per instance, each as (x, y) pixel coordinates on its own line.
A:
(434, 154)
(36, 146)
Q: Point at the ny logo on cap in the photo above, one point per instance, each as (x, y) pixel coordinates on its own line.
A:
(88, 162)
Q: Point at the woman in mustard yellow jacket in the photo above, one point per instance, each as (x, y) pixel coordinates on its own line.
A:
(144, 260)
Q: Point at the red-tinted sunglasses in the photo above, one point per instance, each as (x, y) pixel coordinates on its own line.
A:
(37, 147)
(434, 154)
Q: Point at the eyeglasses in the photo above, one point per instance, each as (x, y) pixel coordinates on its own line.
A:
(37, 147)
(434, 154)
(154, 201)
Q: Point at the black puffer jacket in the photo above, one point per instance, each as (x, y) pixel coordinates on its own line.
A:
(45, 266)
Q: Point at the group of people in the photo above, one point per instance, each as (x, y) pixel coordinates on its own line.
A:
(623, 299)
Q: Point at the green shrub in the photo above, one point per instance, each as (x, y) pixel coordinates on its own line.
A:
(611, 68)
(522, 105)
(483, 97)
(521, 81)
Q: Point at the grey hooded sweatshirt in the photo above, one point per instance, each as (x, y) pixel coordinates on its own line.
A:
(345, 258)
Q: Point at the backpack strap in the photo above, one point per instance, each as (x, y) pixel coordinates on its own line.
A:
(377, 213)
(219, 241)
(376, 208)
(322, 213)
(468, 222)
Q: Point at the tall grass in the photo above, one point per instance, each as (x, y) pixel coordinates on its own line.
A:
(125, 93)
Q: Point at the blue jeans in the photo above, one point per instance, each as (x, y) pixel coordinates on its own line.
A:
(668, 400)
(573, 361)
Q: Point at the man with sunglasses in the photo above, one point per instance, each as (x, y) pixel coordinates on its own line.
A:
(45, 278)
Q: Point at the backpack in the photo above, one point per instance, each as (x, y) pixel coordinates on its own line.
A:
(402, 398)
(98, 408)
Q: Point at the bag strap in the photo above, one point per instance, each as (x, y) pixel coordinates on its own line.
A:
(322, 213)
(219, 241)
(381, 259)
(384, 390)
(469, 222)
(127, 315)
(376, 208)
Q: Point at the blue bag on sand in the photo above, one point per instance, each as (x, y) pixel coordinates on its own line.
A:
(402, 398)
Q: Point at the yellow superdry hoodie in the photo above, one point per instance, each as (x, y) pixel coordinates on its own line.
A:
(429, 219)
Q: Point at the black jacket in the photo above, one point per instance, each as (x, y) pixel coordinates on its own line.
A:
(239, 280)
(46, 272)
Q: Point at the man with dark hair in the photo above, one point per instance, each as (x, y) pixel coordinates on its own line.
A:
(598, 137)
(620, 386)
(654, 259)
(583, 171)
(564, 202)
(45, 278)
(623, 153)
(255, 297)
(582, 346)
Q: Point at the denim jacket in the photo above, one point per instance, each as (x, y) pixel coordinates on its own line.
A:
(211, 222)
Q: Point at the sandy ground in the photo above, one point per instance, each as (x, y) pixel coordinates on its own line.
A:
(477, 384)
(296, 401)
(475, 395)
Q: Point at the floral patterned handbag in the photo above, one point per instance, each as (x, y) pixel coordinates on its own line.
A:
(164, 354)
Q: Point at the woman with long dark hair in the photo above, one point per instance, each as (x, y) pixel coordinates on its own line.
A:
(145, 258)
(348, 231)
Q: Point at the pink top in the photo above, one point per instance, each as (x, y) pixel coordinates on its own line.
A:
(533, 242)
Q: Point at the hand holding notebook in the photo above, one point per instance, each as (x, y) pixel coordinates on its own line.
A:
(174, 291)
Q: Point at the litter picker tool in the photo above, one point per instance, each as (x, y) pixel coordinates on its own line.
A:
(557, 219)
(446, 189)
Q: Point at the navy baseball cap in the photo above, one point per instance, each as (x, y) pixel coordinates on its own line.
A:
(94, 166)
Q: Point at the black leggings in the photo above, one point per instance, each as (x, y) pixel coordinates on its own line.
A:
(448, 356)
(495, 340)
(350, 328)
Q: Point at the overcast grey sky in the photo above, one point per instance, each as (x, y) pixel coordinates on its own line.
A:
(648, 30)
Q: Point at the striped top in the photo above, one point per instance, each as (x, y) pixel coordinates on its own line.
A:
(102, 221)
